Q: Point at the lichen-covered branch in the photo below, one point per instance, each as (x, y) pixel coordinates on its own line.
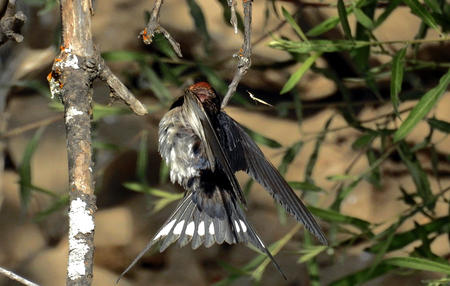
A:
(153, 27)
(73, 72)
(244, 54)
(10, 23)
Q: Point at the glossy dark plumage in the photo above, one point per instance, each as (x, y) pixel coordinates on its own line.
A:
(204, 147)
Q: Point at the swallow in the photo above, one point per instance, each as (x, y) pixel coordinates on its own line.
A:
(204, 148)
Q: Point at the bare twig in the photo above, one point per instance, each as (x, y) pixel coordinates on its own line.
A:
(16, 277)
(154, 27)
(233, 18)
(10, 23)
(244, 54)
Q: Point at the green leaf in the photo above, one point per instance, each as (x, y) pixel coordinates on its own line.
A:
(397, 77)
(305, 186)
(274, 249)
(417, 173)
(126, 56)
(294, 24)
(310, 252)
(323, 27)
(199, 20)
(289, 156)
(422, 107)
(440, 125)
(326, 46)
(423, 13)
(419, 264)
(25, 168)
(101, 111)
(142, 159)
(261, 139)
(157, 86)
(363, 141)
(342, 12)
(364, 275)
(295, 77)
(374, 176)
(58, 204)
(314, 155)
(334, 216)
(363, 19)
(392, 5)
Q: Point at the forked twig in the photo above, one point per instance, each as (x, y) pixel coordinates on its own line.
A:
(244, 54)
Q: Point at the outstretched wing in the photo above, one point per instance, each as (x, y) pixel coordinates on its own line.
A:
(244, 154)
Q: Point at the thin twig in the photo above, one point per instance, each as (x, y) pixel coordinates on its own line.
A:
(30, 126)
(153, 27)
(16, 277)
(10, 23)
(233, 18)
(244, 54)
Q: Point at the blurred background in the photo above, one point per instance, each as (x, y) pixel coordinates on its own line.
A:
(341, 78)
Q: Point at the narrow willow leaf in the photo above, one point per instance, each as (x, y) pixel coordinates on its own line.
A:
(101, 111)
(438, 225)
(364, 275)
(323, 27)
(142, 160)
(417, 173)
(295, 77)
(138, 187)
(392, 5)
(311, 252)
(311, 265)
(305, 186)
(315, 154)
(374, 176)
(423, 13)
(419, 264)
(25, 168)
(326, 46)
(334, 216)
(363, 19)
(289, 156)
(58, 204)
(397, 77)
(199, 19)
(440, 125)
(422, 107)
(163, 45)
(126, 56)
(261, 139)
(156, 85)
(342, 12)
(363, 141)
(294, 24)
(274, 249)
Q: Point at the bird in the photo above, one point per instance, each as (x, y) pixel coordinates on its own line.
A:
(204, 148)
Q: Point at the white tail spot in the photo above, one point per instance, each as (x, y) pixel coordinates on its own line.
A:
(243, 226)
(211, 228)
(190, 228)
(238, 229)
(165, 230)
(179, 227)
(201, 228)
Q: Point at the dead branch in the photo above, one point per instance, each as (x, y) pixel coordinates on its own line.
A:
(244, 54)
(15, 277)
(10, 23)
(73, 72)
(153, 27)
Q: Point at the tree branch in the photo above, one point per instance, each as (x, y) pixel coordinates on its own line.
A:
(13, 276)
(154, 27)
(71, 78)
(10, 23)
(244, 54)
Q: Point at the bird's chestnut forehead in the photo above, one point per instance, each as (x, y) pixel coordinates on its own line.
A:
(202, 90)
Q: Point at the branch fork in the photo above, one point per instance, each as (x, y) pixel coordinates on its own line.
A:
(153, 27)
(10, 23)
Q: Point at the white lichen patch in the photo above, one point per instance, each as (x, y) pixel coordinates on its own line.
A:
(81, 222)
(71, 62)
(55, 88)
(72, 112)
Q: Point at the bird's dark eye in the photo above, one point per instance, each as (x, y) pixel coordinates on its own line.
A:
(196, 148)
